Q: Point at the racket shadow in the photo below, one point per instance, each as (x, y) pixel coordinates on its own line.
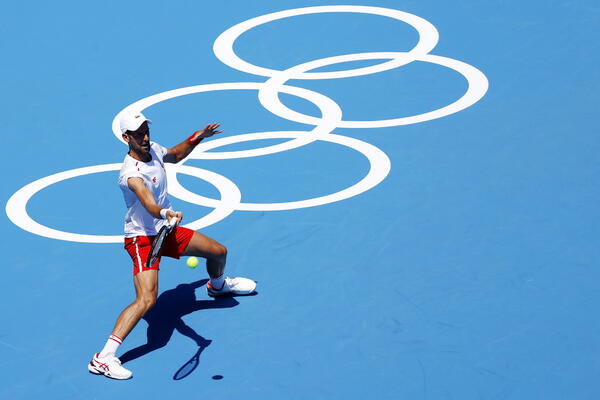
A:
(189, 366)
(166, 317)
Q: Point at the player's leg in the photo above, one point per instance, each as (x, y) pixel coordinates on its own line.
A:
(146, 289)
(106, 363)
(216, 257)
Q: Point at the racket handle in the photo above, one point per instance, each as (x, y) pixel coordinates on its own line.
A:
(172, 221)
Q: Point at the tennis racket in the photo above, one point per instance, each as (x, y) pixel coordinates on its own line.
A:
(159, 240)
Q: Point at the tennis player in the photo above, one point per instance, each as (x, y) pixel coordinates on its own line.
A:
(144, 185)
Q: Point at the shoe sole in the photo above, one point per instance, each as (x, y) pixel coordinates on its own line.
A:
(231, 294)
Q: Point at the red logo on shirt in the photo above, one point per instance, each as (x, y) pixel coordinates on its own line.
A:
(154, 179)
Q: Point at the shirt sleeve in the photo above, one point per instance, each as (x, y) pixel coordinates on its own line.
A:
(129, 171)
(159, 150)
(129, 174)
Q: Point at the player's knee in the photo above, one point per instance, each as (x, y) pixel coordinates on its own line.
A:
(147, 300)
(149, 303)
(220, 251)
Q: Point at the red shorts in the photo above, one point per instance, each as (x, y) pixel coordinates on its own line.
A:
(139, 248)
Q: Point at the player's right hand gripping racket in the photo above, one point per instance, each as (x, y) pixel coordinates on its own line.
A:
(159, 240)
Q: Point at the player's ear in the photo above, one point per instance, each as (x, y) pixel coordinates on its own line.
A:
(125, 137)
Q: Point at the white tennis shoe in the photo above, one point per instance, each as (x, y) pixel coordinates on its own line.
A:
(232, 286)
(109, 366)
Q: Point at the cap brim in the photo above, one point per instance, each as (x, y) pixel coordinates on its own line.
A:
(131, 129)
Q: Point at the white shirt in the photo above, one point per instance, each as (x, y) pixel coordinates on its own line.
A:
(138, 221)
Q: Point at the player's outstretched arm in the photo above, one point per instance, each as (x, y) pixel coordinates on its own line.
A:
(183, 149)
(147, 199)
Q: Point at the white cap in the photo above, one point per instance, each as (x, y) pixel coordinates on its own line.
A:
(132, 121)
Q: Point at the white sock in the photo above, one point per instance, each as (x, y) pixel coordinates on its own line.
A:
(111, 346)
(218, 283)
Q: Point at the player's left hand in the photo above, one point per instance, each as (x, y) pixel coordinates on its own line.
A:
(208, 131)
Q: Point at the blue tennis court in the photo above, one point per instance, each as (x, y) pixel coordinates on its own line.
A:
(413, 185)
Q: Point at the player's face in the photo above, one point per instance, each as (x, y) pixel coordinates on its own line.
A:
(139, 141)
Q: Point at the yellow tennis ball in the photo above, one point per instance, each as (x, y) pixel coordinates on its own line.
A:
(192, 262)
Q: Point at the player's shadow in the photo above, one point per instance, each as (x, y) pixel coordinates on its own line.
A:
(166, 317)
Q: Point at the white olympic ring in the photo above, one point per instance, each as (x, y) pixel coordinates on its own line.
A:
(330, 110)
(268, 95)
(477, 87)
(16, 207)
(428, 38)
(379, 168)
